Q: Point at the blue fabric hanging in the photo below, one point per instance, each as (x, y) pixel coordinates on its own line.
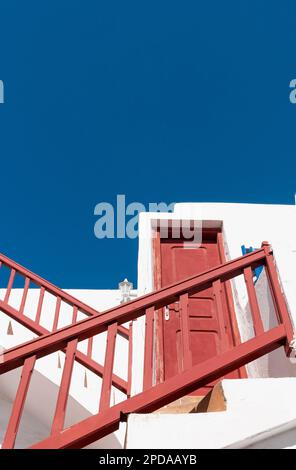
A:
(256, 271)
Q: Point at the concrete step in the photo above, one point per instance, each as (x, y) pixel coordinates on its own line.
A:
(213, 401)
(186, 404)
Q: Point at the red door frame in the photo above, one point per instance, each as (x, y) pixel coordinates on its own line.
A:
(159, 331)
(159, 346)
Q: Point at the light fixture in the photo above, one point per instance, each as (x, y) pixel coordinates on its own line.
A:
(125, 290)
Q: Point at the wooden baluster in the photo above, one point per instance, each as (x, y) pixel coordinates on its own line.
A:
(159, 346)
(278, 296)
(253, 302)
(75, 313)
(9, 286)
(60, 411)
(230, 303)
(130, 360)
(217, 289)
(40, 303)
(56, 314)
(90, 346)
(148, 351)
(24, 296)
(18, 404)
(108, 368)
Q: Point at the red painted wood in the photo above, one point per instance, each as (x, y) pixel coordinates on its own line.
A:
(158, 339)
(209, 319)
(227, 288)
(9, 285)
(124, 332)
(130, 361)
(148, 351)
(98, 369)
(56, 314)
(195, 377)
(126, 312)
(173, 388)
(22, 319)
(18, 404)
(34, 326)
(108, 367)
(205, 372)
(223, 337)
(199, 375)
(277, 295)
(40, 303)
(60, 411)
(88, 431)
(24, 296)
(75, 313)
(185, 332)
(87, 362)
(253, 302)
(100, 425)
(51, 288)
(89, 346)
(159, 346)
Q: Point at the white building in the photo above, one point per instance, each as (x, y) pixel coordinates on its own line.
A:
(211, 352)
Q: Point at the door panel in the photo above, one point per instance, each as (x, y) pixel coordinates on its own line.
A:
(209, 334)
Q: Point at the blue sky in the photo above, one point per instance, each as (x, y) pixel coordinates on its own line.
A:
(160, 101)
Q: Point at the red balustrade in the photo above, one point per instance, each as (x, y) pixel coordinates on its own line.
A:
(154, 395)
(60, 296)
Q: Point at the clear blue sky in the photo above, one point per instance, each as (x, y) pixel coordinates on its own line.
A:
(194, 96)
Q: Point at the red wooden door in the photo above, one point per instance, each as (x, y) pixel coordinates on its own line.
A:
(209, 332)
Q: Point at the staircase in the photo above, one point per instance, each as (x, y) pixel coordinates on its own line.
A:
(111, 322)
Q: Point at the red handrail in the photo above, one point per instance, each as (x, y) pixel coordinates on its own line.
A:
(47, 286)
(153, 397)
(60, 295)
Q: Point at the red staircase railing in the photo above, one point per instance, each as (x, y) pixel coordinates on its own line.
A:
(153, 397)
(79, 310)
